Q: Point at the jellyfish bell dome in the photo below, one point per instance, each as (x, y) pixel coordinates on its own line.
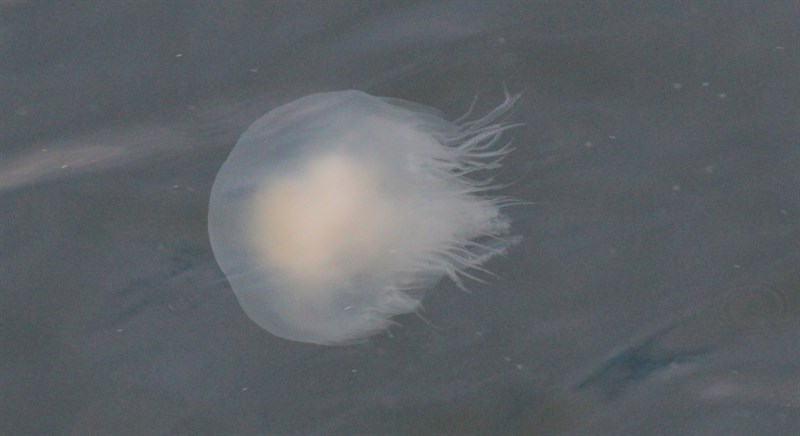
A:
(337, 211)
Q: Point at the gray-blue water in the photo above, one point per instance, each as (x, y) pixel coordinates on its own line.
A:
(656, 291)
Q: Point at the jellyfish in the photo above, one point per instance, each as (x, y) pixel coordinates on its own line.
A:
(339, 210)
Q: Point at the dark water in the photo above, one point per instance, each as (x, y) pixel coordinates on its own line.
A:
(657, 290)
